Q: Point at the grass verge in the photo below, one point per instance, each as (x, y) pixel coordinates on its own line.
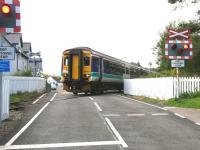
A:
(24, 97)
(184, 102)
(147, 99)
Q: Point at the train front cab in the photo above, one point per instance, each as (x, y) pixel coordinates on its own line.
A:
(76, 70)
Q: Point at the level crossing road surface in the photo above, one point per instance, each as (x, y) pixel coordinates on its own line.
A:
(62, 121)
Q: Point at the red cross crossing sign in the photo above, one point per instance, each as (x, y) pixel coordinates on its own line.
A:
(174, 34)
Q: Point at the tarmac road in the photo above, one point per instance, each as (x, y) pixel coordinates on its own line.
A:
(102, 122)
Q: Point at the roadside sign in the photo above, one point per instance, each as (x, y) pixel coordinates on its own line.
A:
(7, 53)
(4, 66)
(177, 63)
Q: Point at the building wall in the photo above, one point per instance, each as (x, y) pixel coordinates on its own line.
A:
(22, 63)
(13, 65)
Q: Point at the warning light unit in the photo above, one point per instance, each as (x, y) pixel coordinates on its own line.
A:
(10, 16)
(178, 49)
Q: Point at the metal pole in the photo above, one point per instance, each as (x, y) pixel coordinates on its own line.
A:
(1, 83)
(177, 76)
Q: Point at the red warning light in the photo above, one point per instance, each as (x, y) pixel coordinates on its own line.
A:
(6, 9)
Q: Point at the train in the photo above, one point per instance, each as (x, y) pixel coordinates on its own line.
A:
(85, 70)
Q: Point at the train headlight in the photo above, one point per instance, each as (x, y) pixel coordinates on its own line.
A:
(65, 71)
(87, 75)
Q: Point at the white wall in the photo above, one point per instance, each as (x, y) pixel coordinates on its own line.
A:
(158, 88)
(162, 88)
(25, 84)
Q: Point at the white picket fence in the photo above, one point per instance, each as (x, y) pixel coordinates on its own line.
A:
(162, 88)
(12, 85)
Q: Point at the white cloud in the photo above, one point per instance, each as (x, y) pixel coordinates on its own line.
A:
(121, 28)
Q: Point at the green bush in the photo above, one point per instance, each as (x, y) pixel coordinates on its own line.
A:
(23, 97)
(23, 73)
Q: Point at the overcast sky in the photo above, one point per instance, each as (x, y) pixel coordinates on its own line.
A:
(125, 29)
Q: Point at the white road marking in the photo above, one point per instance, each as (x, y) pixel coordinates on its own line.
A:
(135, 115)
(111, 115)
(28, 124)
(53, 97)
(198, 123)
(180, 115)
(122, 142)
(160, 114)
(97, 106)
(60, 145)
(91, 98)
(143, 102)
(39, 98)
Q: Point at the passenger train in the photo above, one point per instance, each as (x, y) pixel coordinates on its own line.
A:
(86, 70)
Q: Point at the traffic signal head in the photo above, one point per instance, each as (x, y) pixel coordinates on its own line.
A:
(10, 16)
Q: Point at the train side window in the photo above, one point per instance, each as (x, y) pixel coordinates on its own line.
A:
(86, 61)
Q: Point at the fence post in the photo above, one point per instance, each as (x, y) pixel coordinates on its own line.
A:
(1, 97)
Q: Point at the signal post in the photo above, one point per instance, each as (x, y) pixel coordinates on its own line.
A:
(178, 48)
(9, 23)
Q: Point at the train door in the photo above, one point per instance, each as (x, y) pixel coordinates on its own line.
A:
(101, 69)
(86, 72)
(95, 68)
(75, 67)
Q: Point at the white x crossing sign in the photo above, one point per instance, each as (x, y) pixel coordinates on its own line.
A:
(184, 34)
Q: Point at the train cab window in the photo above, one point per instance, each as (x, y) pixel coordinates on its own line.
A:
(86, 61)
(66, 61)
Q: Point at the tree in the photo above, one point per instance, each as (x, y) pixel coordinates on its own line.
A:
(183, 1)
(192, 66)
